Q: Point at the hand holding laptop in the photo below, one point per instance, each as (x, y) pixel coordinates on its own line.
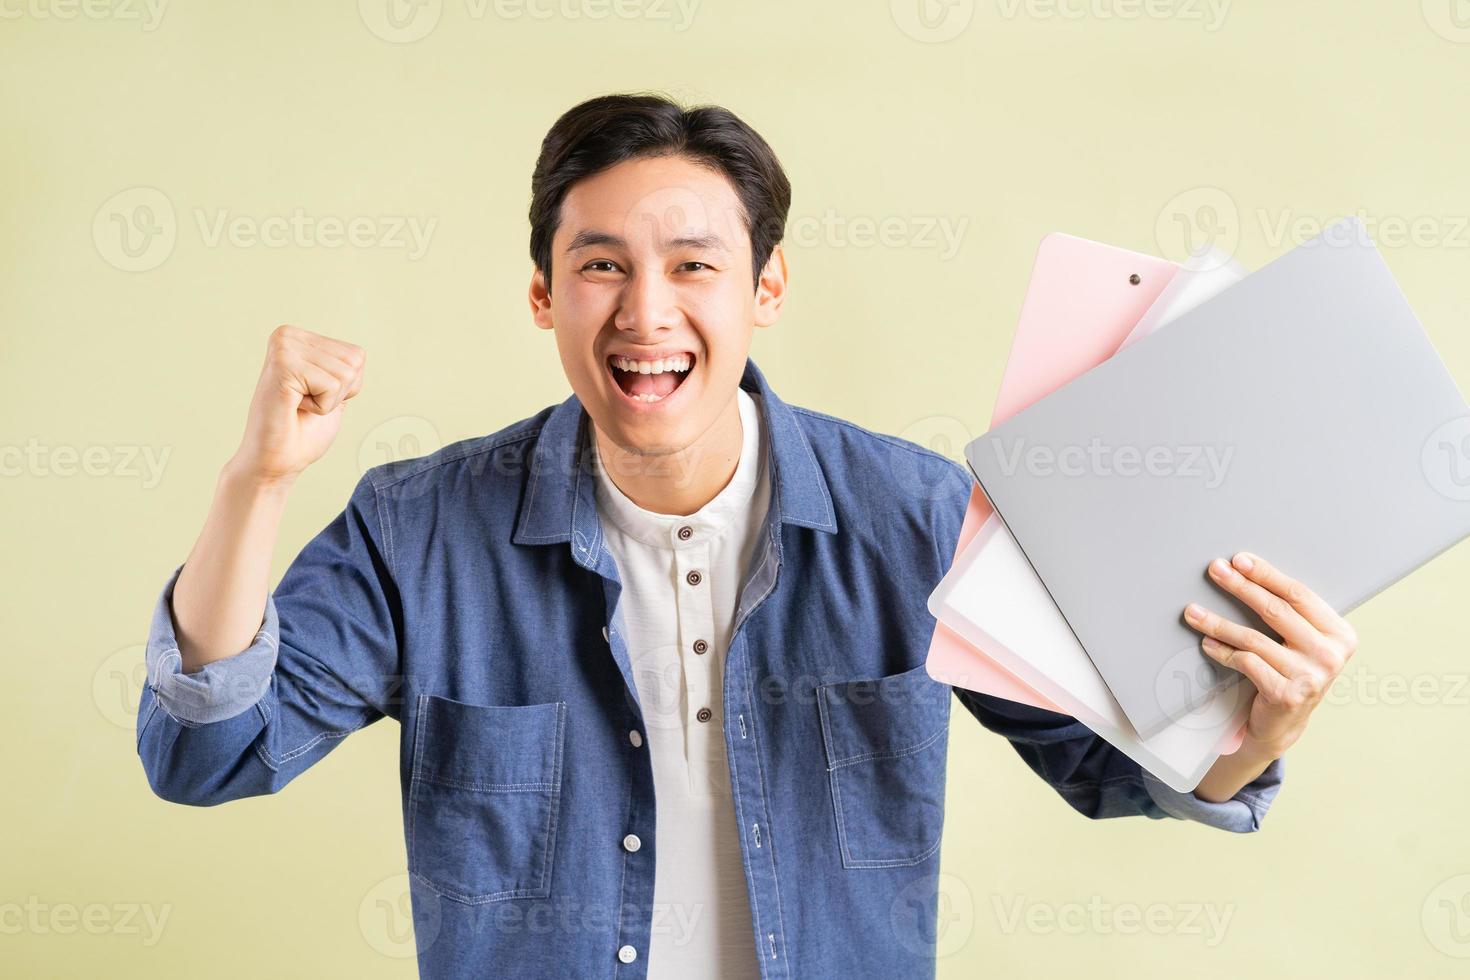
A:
(1291, 675)
(1315, 378)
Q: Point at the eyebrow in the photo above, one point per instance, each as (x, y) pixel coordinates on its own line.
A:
(588, 238)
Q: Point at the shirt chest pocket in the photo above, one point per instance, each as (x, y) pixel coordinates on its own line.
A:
(886, 741)
(484, 797)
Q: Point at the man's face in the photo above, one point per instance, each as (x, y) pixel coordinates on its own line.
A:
(651, 269)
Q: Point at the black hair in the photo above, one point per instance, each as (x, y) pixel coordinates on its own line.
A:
(606, 130)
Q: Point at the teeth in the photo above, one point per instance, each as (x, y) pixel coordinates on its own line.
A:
(677, 364)
(648, 397)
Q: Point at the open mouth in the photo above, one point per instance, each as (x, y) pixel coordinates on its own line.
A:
(651, 381)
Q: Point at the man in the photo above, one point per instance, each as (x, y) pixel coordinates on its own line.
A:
(657, 651)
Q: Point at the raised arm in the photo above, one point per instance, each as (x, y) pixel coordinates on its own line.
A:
(248, 687)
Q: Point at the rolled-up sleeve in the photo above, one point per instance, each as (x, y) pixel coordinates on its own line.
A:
(222, 689)
(1100, 781)
(1242, 813)
(325, 662)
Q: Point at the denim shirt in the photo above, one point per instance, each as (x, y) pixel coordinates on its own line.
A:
(469, 595)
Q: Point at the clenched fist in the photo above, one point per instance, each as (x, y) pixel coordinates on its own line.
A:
(296, 411)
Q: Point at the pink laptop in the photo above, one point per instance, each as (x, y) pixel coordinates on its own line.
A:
(1081, 304)
(1084, 302)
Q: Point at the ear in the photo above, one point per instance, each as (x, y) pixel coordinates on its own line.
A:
(770, 292)
(540, 298)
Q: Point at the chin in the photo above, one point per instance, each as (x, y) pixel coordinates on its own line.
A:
(646, 438)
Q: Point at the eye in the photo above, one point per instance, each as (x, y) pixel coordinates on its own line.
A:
(609, 265)
(702, 265)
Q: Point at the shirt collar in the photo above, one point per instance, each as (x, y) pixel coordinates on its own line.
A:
(734, 499)
(560, 503)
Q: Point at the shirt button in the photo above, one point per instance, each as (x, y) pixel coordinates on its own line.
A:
(686, 532)
(700, 646)
(704, 714)
(627, 954)
(631, 843)
(693, 578)
(635, 738)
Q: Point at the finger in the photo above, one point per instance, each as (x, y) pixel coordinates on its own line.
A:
(351, 354)
(1312, 607)
(1268, 681)
(355, 385)
(1282, 660)
(342, 358)
(349, 373)
(319, 389)
(1273, 609)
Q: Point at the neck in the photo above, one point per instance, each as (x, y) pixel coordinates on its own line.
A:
(677, 481)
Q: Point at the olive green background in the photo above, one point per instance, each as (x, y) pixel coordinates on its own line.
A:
(930, 149)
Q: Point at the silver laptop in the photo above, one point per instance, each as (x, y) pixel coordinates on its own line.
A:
(1301, 414)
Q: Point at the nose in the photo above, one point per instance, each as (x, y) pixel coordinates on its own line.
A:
(646, 306)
